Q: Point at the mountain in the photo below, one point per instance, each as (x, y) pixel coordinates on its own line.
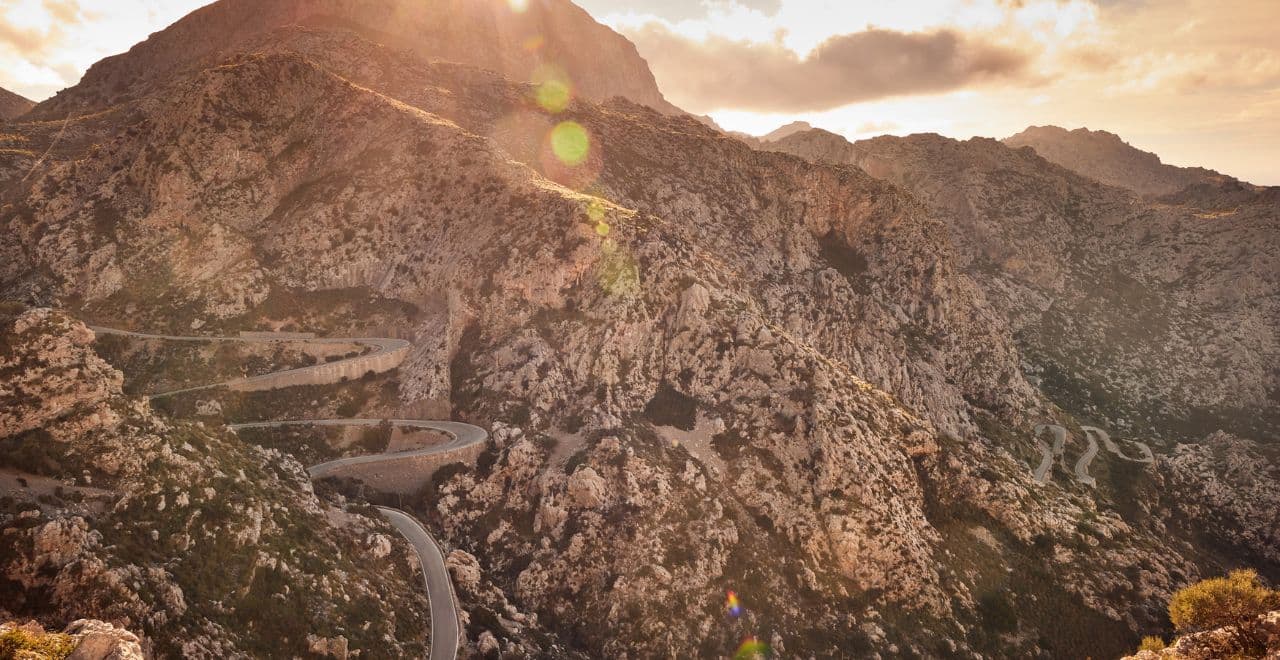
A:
(546, 40)
(811, 381)
(1030, 232)
(1106, 158)
(12, 105)
(784, 131)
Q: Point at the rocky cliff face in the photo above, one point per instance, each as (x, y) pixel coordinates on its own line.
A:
(708, 368)
(12, 105)
(1106, 158)
(1098, 285)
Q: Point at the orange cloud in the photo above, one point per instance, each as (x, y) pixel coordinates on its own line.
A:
(719, 73)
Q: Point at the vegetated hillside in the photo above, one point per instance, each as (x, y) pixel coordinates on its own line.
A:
(1107, 158)
(12, 105)
(707, 368)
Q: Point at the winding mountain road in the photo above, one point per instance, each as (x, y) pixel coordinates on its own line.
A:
(1082, 465)
(1059, 444)
(1081, 468)
(446, 629)
(1147, 455)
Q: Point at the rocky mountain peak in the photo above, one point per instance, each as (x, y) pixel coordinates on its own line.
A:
(13, 105)
(784, 131)
(545, 40)
(1107, 158)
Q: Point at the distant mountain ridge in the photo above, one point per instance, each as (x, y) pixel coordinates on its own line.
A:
(12, 105)
(1106, 158)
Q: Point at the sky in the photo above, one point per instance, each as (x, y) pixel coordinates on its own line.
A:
(1196, 81)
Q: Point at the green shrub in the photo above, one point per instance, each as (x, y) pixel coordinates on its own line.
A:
(18, 643)
(1235, 601)
(1151, 643)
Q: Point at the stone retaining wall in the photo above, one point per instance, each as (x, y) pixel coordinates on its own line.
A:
(407, 476)
(326, 374)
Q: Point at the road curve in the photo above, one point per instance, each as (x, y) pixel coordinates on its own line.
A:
(446, 632)
(1082, 465)
(1147, 455)
(445, 627)
(1081, 468)
(463, 436)
(1059, 444)
(381, 346)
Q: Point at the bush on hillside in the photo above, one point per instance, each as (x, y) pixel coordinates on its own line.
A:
(1234, 603)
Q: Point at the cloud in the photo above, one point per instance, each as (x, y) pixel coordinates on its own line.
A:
(46, 45)
(676, 10)
(719, 73)
(21, 39)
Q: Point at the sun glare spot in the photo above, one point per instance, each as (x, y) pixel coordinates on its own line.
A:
(518, 6)
(553, 89)
(534, 44)
(570, 143)
(751, 649)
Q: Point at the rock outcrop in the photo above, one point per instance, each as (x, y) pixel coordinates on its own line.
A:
(84, 639)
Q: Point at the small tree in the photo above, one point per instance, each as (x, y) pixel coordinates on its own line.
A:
(1233, 602)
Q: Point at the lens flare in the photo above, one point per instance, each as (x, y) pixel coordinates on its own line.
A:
(553, 89)
(518, 6)
(752, 649)
(596, 215)
(534, 44)
(570, 143)
(618, 272)
(554, 96)
(732, 606)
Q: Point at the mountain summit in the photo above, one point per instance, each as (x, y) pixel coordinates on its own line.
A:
(12, 105)
(1107, 158)
(543, 40)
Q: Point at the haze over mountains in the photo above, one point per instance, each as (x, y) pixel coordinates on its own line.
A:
(803, 371)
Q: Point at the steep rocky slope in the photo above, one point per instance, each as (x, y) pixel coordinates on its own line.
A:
(1158, 316)
(539, 40)
(206, 545)
(12, 105)
(708, 368)
(1106, 158)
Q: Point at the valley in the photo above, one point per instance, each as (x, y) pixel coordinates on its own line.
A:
(448, 294)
